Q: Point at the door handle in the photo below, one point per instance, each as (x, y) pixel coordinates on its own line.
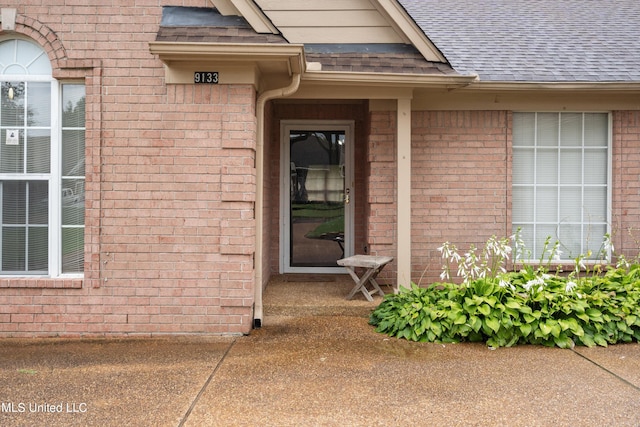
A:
(347, 198)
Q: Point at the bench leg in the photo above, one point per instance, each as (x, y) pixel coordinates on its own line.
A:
(375, 283)
(361, 282)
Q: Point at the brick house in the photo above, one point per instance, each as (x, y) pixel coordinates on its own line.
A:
(160, 160)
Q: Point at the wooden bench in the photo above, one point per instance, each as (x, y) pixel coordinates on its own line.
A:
(372, 265)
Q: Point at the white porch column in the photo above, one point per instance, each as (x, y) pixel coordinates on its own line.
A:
(403, 259)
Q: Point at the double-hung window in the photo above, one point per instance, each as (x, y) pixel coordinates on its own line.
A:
(42, 139)
(561, 182)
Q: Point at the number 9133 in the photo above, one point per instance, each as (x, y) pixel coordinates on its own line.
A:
(206, 77)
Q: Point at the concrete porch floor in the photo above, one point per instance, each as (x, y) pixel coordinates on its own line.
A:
(316, 295)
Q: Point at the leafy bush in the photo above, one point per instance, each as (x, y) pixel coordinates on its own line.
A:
(508, 308)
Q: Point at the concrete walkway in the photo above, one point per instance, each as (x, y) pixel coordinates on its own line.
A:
(317, 369)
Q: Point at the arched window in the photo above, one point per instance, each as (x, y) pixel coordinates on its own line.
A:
(21, 57)
(42, 135)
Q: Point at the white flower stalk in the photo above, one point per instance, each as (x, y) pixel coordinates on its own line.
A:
(581, 264)
(557, 256)
(518, 244)
(536, 284)
(472, 265)
(450, 255)
(623, 263)
(607, 243)
(506, 284)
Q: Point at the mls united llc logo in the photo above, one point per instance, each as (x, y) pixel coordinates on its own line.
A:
(52, 408)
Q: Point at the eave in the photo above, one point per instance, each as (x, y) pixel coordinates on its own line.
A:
(388, 79)
(288, 58)
(508, 86)
(277, 62)
(280, 61)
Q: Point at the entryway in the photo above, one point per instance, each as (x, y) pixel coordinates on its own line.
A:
(316, 199)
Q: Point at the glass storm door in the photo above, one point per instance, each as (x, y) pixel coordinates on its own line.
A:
(317, 203)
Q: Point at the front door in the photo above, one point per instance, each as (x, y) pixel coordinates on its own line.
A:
(317, 207)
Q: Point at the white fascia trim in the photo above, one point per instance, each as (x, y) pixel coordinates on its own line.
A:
(183, 51)
(407, 27)
(389, 79)
(556, 86)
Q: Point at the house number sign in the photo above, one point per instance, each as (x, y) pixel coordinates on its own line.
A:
(206, 77)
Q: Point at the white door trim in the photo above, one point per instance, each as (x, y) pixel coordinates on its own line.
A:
(348, 127)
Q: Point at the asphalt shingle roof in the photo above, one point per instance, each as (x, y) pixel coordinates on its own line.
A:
(215, 35)
(373, 58)
(535, 40)
(200, 24)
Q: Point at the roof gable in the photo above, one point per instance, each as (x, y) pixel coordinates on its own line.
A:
(190, 38)
(190, 34)
(334, 22)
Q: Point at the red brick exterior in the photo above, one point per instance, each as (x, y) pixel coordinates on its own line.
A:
(381, 182)
(169, 238)
(461, 189)
(460, 185)
(625, 215)
(171, 184)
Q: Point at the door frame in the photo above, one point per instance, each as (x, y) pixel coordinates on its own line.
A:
(348, 126)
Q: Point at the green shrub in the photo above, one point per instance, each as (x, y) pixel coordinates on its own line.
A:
(525, 307)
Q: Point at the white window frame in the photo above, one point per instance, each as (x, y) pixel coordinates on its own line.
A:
(59, 177)
(536, 252)
(54, 177)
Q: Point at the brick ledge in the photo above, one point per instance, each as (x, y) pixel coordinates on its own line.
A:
(42, 283)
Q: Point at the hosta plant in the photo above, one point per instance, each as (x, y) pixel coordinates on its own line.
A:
(503, 308)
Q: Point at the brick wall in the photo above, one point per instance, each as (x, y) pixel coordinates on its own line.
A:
(459, 187)
(171, 183)
(170, 186)
(625, 213)
(381, 184)
(460, 184)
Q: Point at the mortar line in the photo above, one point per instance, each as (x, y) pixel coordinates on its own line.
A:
(185, 417)
(607, 370)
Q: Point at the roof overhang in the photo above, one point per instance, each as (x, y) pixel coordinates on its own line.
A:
(352, 85)
(236, 63)
(268, 65)
(263, 63)
(388, 79)
(555, 86)
(287, 58)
